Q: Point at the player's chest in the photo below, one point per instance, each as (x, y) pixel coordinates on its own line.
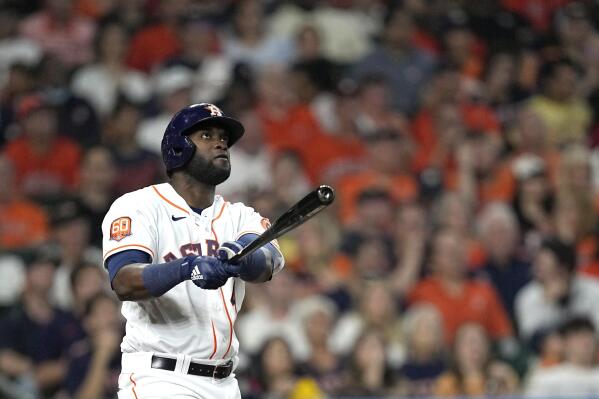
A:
(183, 235)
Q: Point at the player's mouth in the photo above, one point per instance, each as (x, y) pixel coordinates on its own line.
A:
(222, 156)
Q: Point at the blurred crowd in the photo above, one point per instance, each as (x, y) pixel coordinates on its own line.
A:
(462, 137)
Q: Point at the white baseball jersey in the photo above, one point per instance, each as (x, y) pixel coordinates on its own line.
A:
(187, 319)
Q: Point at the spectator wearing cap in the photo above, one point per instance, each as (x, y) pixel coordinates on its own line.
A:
(35, 336)
(534, 199)
(405, 67)
(155, 43)
(556, 292)
(22, 223)
(71, 235)
(15, 49)
(458, 298)
(59, 31)
(94, 362)
(172, 87)
(102, 82)
(578, 374)
(566, 115)
(505, 266)
(212, 71)
(45, 162)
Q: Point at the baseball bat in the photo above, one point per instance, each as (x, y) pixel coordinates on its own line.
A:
(295, 216)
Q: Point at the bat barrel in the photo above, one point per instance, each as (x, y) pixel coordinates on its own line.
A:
(326, 195)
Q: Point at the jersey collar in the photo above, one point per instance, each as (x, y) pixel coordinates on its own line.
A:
(167, 193)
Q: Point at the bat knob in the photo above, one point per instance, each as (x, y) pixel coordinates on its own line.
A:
(326, 194)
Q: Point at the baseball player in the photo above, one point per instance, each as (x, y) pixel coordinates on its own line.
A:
(166, 249)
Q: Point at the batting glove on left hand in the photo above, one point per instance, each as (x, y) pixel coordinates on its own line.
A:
(211, 273)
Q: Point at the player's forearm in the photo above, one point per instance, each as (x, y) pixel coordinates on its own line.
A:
(128, 284)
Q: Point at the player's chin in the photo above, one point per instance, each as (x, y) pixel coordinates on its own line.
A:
(222, 163)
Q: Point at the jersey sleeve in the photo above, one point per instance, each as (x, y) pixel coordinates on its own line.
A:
(129, 225)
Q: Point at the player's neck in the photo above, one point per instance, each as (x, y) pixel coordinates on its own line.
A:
(195, 193)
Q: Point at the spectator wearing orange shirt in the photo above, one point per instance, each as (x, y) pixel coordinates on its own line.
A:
(157, 42)
(22, 223)
(458, 298)
(46, 164)
(389, 168)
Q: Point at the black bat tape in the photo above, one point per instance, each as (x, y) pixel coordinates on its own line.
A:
(298, 214)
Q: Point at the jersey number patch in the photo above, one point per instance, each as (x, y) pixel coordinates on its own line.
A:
(120, 228)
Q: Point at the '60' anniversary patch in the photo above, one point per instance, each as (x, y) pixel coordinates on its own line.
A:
(120, 228)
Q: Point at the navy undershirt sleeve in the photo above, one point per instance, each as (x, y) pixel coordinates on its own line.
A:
(115, 262)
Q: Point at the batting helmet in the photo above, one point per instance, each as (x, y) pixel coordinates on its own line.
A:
(177, 148)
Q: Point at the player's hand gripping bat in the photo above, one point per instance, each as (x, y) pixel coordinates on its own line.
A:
(295, 216)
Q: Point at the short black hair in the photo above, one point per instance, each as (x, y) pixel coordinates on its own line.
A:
(564, 253)
(93, 301)
(576, 324)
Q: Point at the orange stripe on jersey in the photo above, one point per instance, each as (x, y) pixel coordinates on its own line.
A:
(169, 202)
(215, 219)
(126, 246)
(230, 322)
(214, 344)
(134, 386)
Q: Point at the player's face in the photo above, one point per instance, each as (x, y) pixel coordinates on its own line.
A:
(210, 163)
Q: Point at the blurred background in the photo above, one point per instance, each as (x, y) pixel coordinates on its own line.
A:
(461, 257)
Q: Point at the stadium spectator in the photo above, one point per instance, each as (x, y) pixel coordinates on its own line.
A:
(212, 71)
(556, 292)
(22, 223)
(389, 155)
(102, 82)
(156, 42)
(252, 161)
(324, 366)
(405, 67)
(86, 281)
(45, 163)
(249, 42)
(368, 372)
(278, 315)
(566, 115)
(172, 86)
(425, 360)
(71, 234)
(458, 298)
(94, 362)
(505, 266)
(15, 49)
(35, 336)
(577, 375)
(59, 31)
(135, 166)
(474, 371)
(376, 311)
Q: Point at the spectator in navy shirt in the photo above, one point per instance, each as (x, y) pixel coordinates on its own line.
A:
(500, 236)
(35, 336)
(94, 362)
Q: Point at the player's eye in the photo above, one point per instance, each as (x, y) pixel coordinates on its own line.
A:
(206, 135)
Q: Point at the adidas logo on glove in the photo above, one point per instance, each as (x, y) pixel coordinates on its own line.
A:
(196, 275)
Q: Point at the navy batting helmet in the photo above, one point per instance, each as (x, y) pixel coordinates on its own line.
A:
(177, 148)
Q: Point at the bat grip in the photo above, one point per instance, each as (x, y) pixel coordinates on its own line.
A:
(252, 246)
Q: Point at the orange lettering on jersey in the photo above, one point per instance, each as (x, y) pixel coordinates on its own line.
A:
(120, 228)
(265, 223)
